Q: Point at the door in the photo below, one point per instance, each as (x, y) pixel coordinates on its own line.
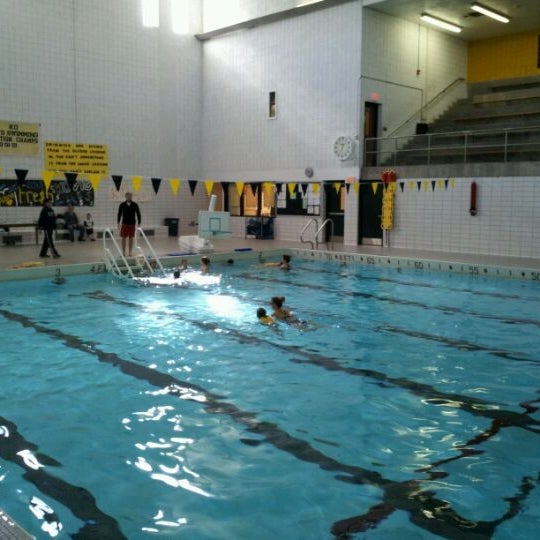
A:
(370, 210)
(335, 209)
(371, 129)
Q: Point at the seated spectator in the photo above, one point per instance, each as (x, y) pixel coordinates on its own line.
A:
(72, 224)
(89, 227)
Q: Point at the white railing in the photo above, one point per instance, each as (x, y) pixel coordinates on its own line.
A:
(471, 146)
(304, 230)
(142, 261)
(318, 230)
(111, 259)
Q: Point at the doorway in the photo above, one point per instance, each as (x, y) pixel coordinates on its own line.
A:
(335, 209)
(371, 129)
(370, 210)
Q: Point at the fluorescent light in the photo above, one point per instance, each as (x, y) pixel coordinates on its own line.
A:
(440, 23)
(150, 13)
(489, 13)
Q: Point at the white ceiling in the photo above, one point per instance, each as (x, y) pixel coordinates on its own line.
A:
(524, 15)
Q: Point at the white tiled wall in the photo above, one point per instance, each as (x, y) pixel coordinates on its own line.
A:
(89, 72)
(169, 106)
(506, 224)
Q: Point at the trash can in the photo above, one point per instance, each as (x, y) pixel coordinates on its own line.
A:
(172, 223)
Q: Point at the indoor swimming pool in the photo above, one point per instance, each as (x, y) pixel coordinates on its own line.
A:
(406, 406)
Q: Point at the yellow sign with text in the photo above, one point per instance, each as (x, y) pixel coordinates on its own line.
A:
(77, 158)
(19, 138)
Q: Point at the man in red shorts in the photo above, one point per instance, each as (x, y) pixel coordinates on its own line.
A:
(129, 218)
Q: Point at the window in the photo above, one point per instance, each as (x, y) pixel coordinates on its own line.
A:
(257, 199)
(150, 13)
(180, 16)
(299, 199)
(272, 105)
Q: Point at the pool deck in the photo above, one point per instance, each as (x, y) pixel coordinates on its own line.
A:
(23, 262)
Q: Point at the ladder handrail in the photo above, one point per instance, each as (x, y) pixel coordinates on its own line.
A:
(150, 249)
(323, 225)
(107, 233)
(310, 221)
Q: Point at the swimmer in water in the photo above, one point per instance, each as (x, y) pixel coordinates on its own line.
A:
(284, 264)
(264, 318)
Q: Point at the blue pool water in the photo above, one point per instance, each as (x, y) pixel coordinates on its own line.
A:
(408, 408)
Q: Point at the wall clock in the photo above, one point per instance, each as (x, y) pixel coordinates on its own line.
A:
(344, 147)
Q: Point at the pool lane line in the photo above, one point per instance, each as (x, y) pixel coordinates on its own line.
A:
(82, 504)
(474, 406)
(474, 292)
(406, 496)
(400, 301)
(459, 344)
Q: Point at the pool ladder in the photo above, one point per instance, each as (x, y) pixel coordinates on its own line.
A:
(318, 230)
(144, 262)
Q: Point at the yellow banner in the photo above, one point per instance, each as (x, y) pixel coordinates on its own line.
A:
(18, 138)
(77, 158)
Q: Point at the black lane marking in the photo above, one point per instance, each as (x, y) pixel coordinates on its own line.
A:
(474, 292)
(79, 500)
(398, 301)
(459, 344)
(407, 496)
(476, 406)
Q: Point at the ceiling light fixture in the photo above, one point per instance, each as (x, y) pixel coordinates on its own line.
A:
(426, 17)
(488, 12)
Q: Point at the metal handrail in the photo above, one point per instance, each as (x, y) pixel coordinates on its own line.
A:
(150, 249)
(310, 221)
(463, 144)
(421, 111)
(110, 259)
(321, 228)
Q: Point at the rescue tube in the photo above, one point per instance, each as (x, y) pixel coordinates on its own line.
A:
(474, 192)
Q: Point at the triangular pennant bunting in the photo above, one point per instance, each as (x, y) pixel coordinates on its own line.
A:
(347, 187)
(446, 183)
(291, 188)
(356, 187)
(71, 179)
(304, 188)
(192, 186)
(433, 185)
(374, 187)
(21, 176)
(337, 187)
(401, 186)
(316, 188)
(95, 179)
(47, 178)
(240, 188)
(254, 188)
(156, 182)
(117, 179)
(175, 184)
(419, 184)
(209, 184)
(136, 182)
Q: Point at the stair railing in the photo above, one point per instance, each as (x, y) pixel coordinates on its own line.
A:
(111, 259)
(150, 248)
(310, 221)
(421, 112)
(326, 222)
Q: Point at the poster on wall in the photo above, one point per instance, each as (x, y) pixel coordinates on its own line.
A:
(77, 158)
(19, 138)
(33, 193)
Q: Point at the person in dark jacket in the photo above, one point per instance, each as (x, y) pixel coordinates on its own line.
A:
(47, 223)
(128, 219)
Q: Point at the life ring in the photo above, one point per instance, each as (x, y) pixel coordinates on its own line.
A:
(474, 192)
